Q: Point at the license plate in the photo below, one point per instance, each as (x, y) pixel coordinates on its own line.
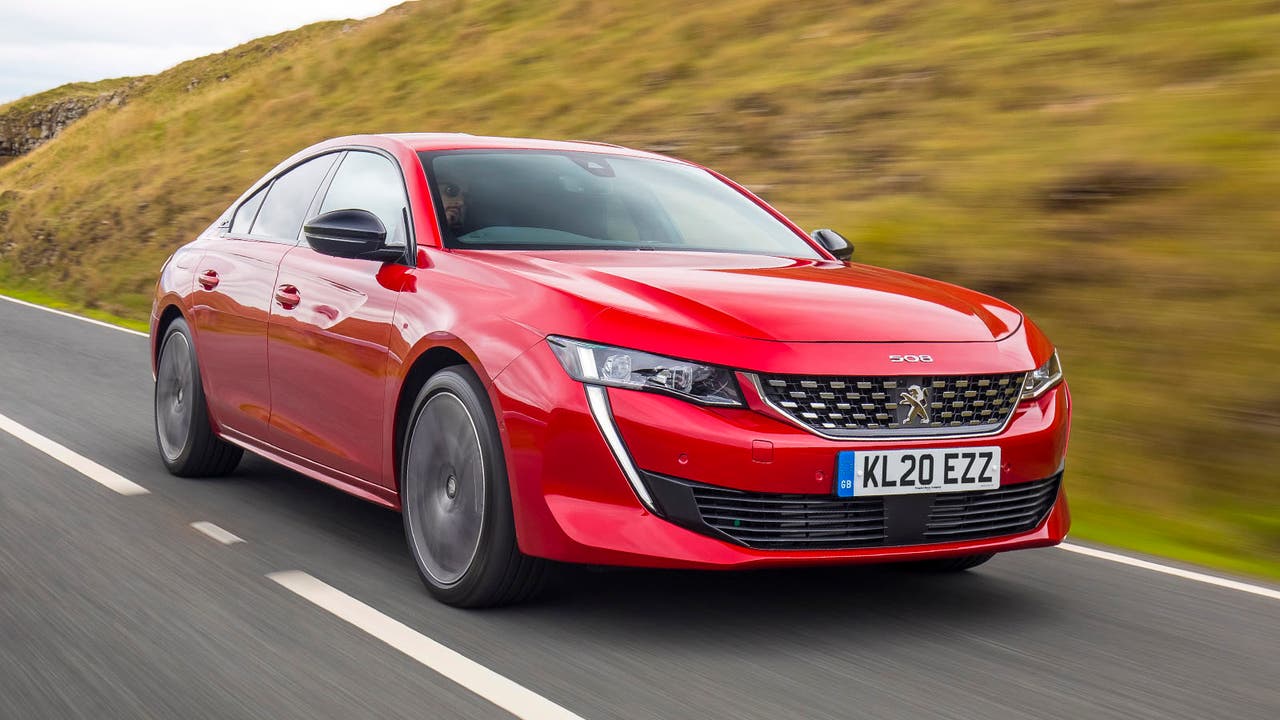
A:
(860, 473)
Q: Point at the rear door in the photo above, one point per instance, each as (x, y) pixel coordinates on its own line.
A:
(234, 287)
(329, 340)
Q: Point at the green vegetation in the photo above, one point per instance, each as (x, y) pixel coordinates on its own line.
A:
(39, 298)
(1111, 167)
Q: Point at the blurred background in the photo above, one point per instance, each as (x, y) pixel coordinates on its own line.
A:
(1112, 167)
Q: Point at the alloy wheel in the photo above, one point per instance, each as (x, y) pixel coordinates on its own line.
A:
(445, 487)
(175, 396)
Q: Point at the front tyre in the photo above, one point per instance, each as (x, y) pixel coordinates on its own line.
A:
(456, 501)
(184, 435)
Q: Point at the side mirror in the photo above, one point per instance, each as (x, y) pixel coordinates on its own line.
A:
(834, 242)
(357, 234)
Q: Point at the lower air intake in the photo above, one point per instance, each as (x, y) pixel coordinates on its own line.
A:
(771, 521)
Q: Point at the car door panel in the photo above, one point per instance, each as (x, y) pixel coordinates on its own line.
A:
(328, 362)
(330, 328)
(231, 327)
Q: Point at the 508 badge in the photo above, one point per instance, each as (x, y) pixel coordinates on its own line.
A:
(911, 358)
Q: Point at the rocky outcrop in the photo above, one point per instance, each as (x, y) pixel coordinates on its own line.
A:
(24, 128)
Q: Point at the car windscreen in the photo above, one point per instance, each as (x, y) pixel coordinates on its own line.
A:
(547, 200)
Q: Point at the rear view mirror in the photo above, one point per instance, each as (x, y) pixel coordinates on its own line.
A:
(834, 242)
(350, 234)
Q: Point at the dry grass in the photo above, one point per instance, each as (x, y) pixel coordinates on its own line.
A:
(76, 90)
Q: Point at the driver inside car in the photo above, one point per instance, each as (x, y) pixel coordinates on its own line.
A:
(454, 197)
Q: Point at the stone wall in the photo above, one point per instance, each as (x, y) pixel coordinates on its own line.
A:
(25, 130)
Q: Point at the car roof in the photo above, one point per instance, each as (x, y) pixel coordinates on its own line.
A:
(424, 142)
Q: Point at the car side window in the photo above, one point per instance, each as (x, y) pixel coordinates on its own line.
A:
(368, 181)
(247, 211)
(289, 198)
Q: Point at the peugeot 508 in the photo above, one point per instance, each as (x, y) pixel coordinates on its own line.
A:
(565, 351)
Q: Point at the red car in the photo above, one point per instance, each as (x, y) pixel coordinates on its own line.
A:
(579, 352)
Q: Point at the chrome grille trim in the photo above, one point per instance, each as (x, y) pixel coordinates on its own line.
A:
(810, 402)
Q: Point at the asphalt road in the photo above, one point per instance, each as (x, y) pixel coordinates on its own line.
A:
(114, 606)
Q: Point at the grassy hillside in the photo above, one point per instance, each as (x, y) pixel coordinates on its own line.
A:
(70, 91)
(32, 120)
(1111, 167)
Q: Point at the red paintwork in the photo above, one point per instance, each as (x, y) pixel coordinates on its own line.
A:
(332, 347)
(316, 386)
(720, 294)
(232, 320)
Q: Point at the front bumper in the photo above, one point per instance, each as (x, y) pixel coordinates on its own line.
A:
(573, 500)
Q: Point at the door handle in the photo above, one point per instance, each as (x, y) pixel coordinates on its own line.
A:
(287, 296)
(208, 279)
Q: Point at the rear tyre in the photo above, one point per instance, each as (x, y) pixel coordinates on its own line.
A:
(951, 565)
(456, 500)
(183, 432)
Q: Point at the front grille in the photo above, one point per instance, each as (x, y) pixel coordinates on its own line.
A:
(772, 521)
(887, 406)
(990, 513)
(792, 522)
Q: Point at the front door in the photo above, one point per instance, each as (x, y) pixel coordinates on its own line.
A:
(330, 329)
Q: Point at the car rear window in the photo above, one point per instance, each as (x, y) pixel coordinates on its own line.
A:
(247, 211)
(289, 199)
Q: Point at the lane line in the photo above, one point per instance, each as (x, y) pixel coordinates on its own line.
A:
(72, 315)
(71, 459)
(225, 537)
(1174, 571)
(506, 694)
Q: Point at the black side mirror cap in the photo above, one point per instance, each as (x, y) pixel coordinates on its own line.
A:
(834, 242)
(357, 234)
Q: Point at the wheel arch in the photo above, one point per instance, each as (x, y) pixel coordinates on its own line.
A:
(170, 311)
(166, 317)
(429, 361)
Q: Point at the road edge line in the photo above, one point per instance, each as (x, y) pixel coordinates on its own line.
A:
(1174, 571)
(74, 316)
(72, 459)
(497, 689)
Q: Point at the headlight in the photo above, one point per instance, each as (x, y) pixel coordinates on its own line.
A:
(1040, 380)
(604, 365)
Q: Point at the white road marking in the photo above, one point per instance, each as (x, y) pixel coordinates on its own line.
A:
(510, 696)
(225, 537)
(72, 315)
(71, 459)
(1176, 572)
